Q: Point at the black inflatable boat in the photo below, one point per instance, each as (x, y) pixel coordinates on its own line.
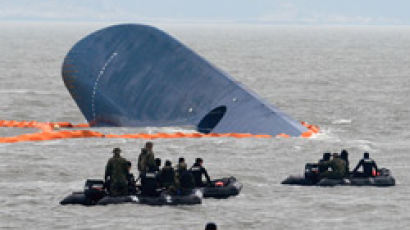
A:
(94, 194)
(383, 179)
(222, 188)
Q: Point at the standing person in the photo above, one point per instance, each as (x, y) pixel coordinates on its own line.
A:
(198, 171)
(368, 165)
(116, 174)
(344, 155)
(146, 159)
(167, 175)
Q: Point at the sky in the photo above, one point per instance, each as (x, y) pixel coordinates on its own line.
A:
(293, 12)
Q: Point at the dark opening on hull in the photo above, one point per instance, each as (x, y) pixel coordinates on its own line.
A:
(211, 120)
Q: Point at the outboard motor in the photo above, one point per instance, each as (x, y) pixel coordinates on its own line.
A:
(312, 173)
(94, 190)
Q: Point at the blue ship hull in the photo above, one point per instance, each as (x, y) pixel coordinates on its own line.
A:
(137, 75)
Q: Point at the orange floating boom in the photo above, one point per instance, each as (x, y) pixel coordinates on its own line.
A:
(50, 131)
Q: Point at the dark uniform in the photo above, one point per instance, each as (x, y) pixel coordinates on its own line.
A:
(116, 173)
(132, 187)
(157, 167)
(186, 182)
(347, 169)
(167, 176)
(198, 171)
(338, 167)
(149, 183)
(322, 167)
(344, 155)
(368, 165)
(146, 160)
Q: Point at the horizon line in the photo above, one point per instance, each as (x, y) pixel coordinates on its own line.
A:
(195, 21)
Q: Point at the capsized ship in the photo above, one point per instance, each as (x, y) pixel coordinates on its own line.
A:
(137, 75)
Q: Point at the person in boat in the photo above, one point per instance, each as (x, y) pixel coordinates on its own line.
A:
(186, 181)
(210, 226)
(146, 158)
(116, 173)
(344, 155)
(198, 171)
(132, 186)
(178, 169)
(174, 188)
(158, 163)
(167, 175)
(149, 182)
(337, 166)
(181, 164)
(369, 167)
(181, 161)
(323, 168)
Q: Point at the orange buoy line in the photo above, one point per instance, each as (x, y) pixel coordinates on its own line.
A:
(49, 131)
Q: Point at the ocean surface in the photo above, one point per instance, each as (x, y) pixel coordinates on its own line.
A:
(353, 82)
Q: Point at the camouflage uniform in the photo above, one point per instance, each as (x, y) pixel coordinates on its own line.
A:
(175, 186)
(116, 172)
(146, 160)
(338, 167)
(179, 168)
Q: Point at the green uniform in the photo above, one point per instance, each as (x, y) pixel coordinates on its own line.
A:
(179, 167)
(146, 160)
(116, 172)
(338, 167)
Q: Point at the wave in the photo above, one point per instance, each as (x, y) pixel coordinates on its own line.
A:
(342, 122)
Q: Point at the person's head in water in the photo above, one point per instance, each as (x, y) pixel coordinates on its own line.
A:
(366, 155)
(344, 155)
(326, 156)
(210, 226)
(158, 162)
(129, 165)
(199, 161)
(168, 163)
(149, 145)
(116, 152)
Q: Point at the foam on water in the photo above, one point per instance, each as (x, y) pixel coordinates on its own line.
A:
(342, 122)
